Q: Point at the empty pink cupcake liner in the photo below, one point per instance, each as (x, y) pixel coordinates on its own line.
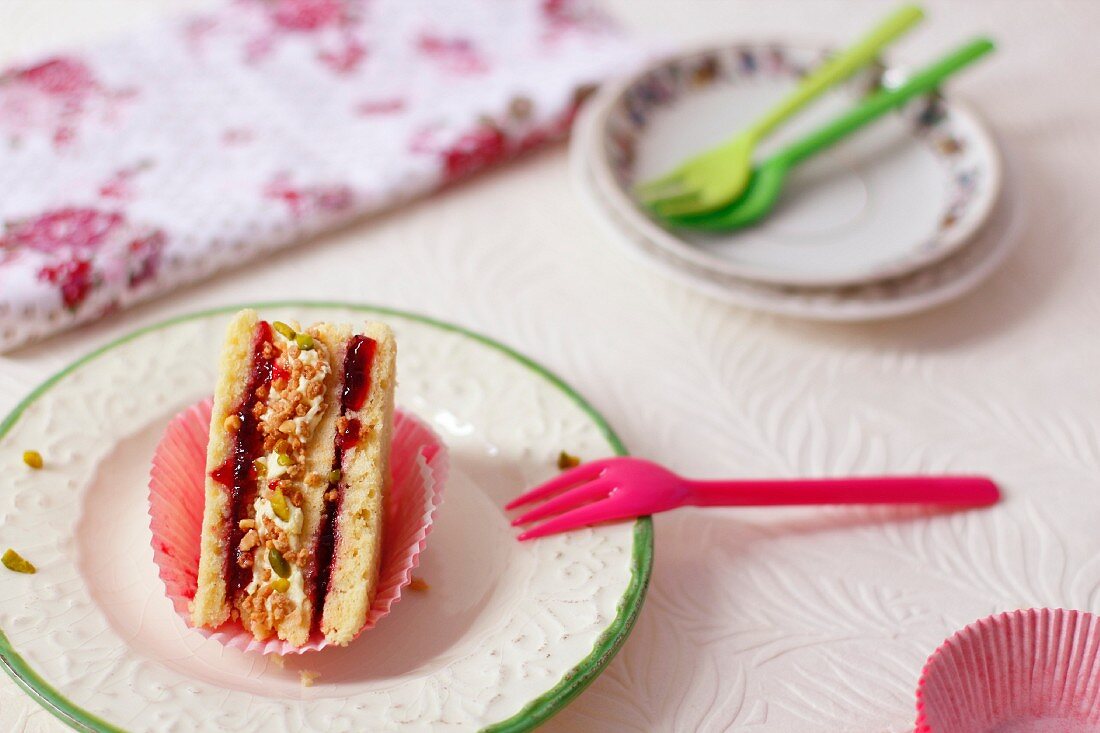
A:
(1035, 670)
(418, 462)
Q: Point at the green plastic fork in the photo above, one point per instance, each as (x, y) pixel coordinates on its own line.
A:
(713, 178)
(767, 180)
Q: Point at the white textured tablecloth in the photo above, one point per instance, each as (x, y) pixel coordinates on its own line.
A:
(780, 621)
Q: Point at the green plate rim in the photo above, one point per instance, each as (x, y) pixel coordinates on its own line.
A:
(531, 715)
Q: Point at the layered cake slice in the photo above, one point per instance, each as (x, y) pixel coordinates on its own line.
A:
(297, 471)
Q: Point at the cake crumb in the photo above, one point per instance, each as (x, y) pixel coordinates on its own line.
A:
(308, 676)
(278, 661)
(567, 460)
(418, 584)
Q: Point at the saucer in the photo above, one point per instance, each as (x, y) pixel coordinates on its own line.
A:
(904, 192)
(933, 285)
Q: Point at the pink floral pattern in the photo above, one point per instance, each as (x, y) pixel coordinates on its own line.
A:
(80, 250)
(563, 17)
(120, 184)
(488, 142)
(307, 15)
(260, 120)
(479, 148)
(303, 201)
(196, 30)
(237, 136)
(455, 55)
(332, 26)
(390, 106)
(52, 96)
(66, 78)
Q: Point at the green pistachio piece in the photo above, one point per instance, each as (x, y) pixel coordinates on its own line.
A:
(278, 563)
(279, 505)
(14, 561)
(285, 330)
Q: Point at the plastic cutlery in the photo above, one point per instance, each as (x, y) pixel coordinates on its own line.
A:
(768, 179)
(624, 488)
(719, 175)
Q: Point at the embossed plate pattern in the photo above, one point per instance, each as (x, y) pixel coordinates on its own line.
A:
(505, 635)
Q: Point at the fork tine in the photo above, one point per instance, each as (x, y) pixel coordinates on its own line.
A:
(564, 480)
(675, 202)
(683, 190)
(650, 196)
(675, 179)
(601, 511)
(572, 498)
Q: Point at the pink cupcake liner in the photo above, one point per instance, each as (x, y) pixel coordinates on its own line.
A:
(1036, 670)
(418, 462)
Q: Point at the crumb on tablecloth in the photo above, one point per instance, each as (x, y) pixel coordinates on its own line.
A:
(278, 661)
(308, 677)
(418, 584)
(568, 460)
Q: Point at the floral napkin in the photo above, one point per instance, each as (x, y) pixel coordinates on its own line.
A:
(152, 160)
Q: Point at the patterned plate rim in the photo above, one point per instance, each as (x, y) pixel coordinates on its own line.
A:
(534, 713)
(1006, 222)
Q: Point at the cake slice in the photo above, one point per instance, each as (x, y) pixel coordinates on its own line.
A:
(355, 510)
(297, 472)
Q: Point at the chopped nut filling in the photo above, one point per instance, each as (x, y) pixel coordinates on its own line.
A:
(288, 412)
(250, 540)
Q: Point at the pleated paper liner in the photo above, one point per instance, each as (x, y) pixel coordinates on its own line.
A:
(418, 461)
(1036, 670)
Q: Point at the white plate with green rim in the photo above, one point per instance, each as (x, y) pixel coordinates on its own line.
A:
(901, 194)
(504, 637)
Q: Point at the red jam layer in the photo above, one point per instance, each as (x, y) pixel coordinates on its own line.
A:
(358, 363)
(238, 472)
(357, 368)
(350, 436)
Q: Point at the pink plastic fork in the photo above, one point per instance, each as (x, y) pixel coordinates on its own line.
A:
(624, 488)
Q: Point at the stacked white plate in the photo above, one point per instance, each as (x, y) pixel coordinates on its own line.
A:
(906, 214)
